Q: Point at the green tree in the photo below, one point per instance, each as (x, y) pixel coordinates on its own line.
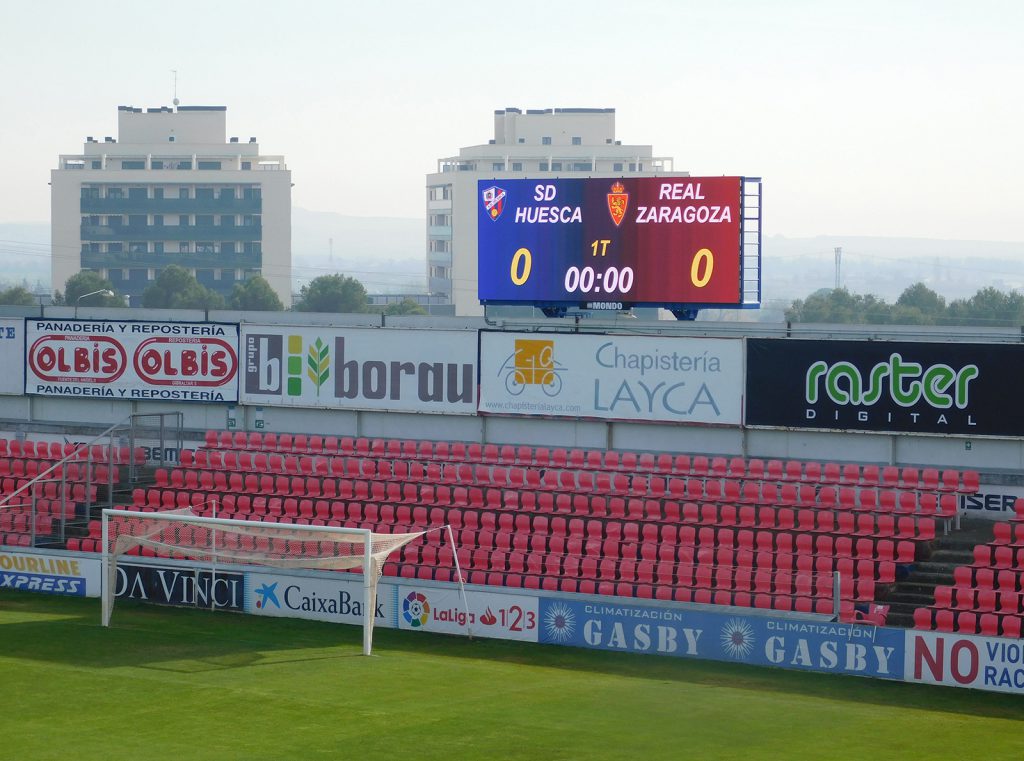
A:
(927, 303)
(86, 282)
(17, 296)
(255, 295)
(405, 306)
(987, 308)
(839, 306)
(332, 293)
(176, 288)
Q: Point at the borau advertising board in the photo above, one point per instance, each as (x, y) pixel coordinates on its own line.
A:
(359, 368)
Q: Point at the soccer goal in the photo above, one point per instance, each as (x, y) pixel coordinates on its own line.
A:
(182, 533)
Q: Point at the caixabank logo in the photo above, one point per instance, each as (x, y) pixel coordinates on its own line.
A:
(885, 386)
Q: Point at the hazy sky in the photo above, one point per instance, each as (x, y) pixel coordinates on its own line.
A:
(869, 118)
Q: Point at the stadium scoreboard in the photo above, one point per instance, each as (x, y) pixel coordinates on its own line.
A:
(611, 243)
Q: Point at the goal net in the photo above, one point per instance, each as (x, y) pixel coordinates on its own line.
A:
(183, 534)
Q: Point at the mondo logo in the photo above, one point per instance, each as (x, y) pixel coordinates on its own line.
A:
(175, 361)
(416, 609)
(77, 358)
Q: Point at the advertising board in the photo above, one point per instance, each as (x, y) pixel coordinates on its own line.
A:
(681, 380)
(630, 241)
(338, 600)
(180, 585)
(484, 614)
(12, 354)
(897, 386)
(758, 640)
(359, 368)
(133, 360)
(995, 664)
(52, 573)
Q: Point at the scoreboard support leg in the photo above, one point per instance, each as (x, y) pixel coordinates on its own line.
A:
(686, 313)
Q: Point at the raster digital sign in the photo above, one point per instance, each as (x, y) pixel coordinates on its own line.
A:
(661, 241)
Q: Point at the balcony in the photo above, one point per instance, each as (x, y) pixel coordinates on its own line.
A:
(211, 233)
(125, 260)
(172, 205)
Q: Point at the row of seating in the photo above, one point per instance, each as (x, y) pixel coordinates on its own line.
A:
(980, 600)
(640, 462)
(968, 622)
(571, 495)
(56, 451)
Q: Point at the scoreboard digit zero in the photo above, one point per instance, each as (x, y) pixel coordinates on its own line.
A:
(611, 243)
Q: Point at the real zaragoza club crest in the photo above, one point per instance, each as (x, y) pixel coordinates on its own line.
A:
(618, 201)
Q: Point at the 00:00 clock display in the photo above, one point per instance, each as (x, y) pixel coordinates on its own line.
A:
(612, 279)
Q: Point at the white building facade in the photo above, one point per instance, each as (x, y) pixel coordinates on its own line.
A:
(172, 189)
(544, 144)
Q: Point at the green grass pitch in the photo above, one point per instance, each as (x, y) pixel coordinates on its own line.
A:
(165, 683)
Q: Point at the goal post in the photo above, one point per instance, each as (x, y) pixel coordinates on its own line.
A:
(248, 543)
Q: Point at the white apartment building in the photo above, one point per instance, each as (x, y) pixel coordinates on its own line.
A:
(171, 188)
(545, 144)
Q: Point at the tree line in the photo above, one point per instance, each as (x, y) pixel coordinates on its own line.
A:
(177, 288)
(917, 305)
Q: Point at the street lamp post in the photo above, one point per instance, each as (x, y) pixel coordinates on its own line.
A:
(104, 291)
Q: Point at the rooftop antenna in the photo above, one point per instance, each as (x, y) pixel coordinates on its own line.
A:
(838, 250)
(175, 73)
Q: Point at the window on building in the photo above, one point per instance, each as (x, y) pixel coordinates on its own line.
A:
(250, 220)
(227, 248)
(204, 220)
(556, 166)
(183, 220)
(246, 165)
(151, 274)
(632, 167)
(209, 165)
(185, 164)
(92, 219)
(115, 193)
(158, 193)
(617, 166)
(184, 193)
(227, 220)
(543, 166)
(517, 166)
(582, 166)
(158, 220)
(137, 220)
(498, 166)
(158, 247)
(137, 193)
(205, 247)
(217, 274)
(125, 274)
(133, 164)
(115, 248)
(545, 141)
(253, 193)
(97, 164)
(253, 247)
(204, 193)
(183, 247)
(115, 220)
(577, 141)
(522, 140)
(137, 247)
(227, 193)
(90, 192)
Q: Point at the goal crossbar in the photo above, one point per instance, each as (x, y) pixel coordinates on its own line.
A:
(248, 543)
